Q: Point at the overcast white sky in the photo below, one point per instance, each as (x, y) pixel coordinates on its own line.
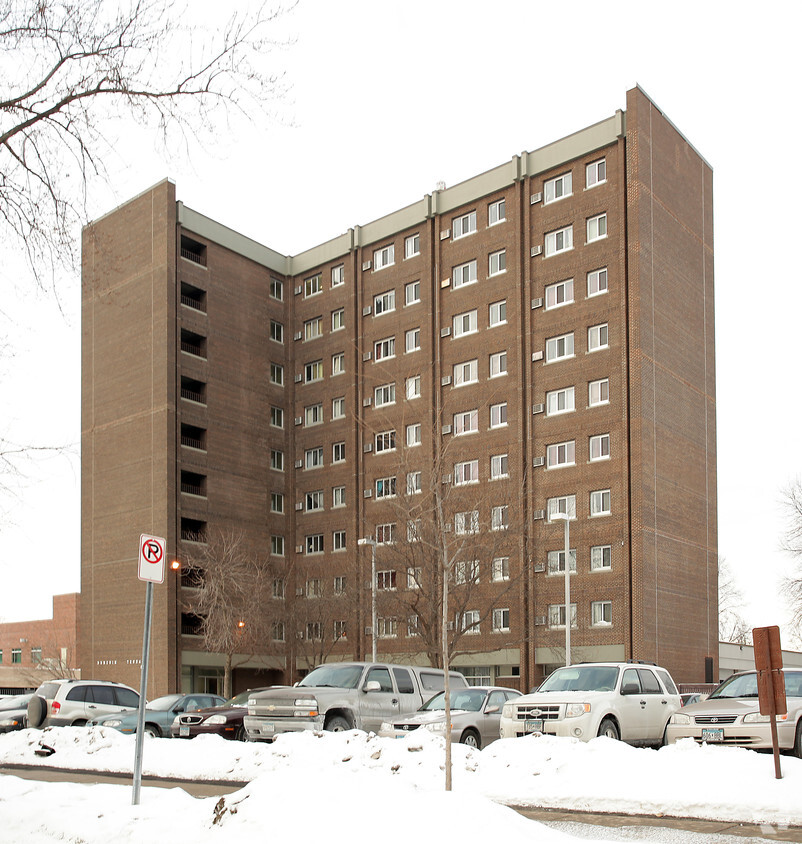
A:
(389, 98)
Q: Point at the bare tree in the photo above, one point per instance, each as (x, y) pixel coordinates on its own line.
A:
(731, 625)
(792, 543)
(69, 69)
(233, 599)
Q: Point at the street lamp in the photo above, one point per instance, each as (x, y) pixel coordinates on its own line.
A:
(565, 518)
(369, 540)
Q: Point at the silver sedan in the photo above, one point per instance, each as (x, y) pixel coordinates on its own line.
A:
(475, 715)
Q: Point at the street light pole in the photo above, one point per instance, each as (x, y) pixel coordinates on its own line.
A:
(373, 622)
(565, 518)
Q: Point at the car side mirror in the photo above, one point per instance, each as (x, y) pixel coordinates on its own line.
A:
(179, 709)
(491, 709)
(630, 689)
(372, 686)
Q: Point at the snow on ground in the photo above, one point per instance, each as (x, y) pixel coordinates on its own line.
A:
(353, 781)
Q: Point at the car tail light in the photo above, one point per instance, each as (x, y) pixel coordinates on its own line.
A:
(54, 707)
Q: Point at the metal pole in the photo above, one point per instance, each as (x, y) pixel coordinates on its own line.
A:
(143, 688)
(567, 595)
(373, 595)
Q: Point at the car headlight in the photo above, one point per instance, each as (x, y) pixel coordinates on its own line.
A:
(436, 727)
(507, 711)
(680, 718)
(215, 719)
(306, 701)
(574, 710)
(10, 722)
(757, 718)
(114, 722)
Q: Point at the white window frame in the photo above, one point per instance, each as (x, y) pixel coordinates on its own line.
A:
(466, 472)
(313, 371)
(313, 415)
(412, 245)
(384, 257)
(469, 622)
(385, 487)
(558, 241)
(338, 319)
(313, 457)
(560, 347)
(384, 349)
(497, 212)
(601, 613)
(276, 502)
(412, 340)
(600, 503)
(276, 417)
(276, 545)
(466, 372)
(338, 408)
(338, 275)
(464, 274)
(601, 557)
(498, 364)
(387, 628)
(561, 504)
(465, 422)
(499, 466)
(313, 501)
(337, 496)
(498, 415)
(414, 434)
(466, 571)
(276, 460)
(497, 263)
(500, 569)
(601, 386)
(414, 574)
(412, 387)
(276, 331)
(595, 173)
(313, 328)
(463, 225)
(559, 294)
(556, 616)
(597, 282)
(340, 584)
(384, 303)
(338, 364)
(596, 228)
(500, 517)
(276, 374)
(384, 441)
(414, 482)
(313, 286)
(560, 187)
(465, 323)
(501, 620)
(384, 395)
(497, 313)
(598, 337)
(555, 562)
(411, 293)
(385, 533)
(314, 543)
(560, 401)
(276, 289)
(599, 447)
(338, 452)
(559, 455)
(466, 522)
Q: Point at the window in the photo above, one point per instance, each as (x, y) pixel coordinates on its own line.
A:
(466, 571)
(412, 246)
(338, 496)
(557, 188)
(499, 466)
(338, 319)
(414, 433)
(338, 453)
(466, 472)
(412, 340)
(467, 522)
(314, 501)
(385, 441)
(559, 348)
(466, 224)
(498, 415)
(277, 374)
(500, 569)
(385, 487)
(597, 227)
(338, 540)
(414, 483)
(384, 395)
(596, 173)
(466, 422)
(314, 630)
(412, 293)
(598, 392)
(464, 274)
(466, 372)
(414, 530)
(555, 562)
(338, 364)
(498, 364)
(385, 580)
(565, 504)
(277, 546)
(600, 557)
(413, 625)
(276, 331)
(384, 257)
(276, 502)
(313, 286)
(16, 655)
(384, 303)
(597, 337)
(338, 408)
(314, 545)
(557, 615)
(36, 656)
(278, 631)
(498, 313)
(600, 502)
(500, 518)
(497, 262)
(465, 323)
(597, 282)
(387, 628)
(559, 294)
(276, 289)
(385, 534)
(600, 447)
(278, 588)
(560, 401)
(601, 613)
(313, 457)
(414, 577)
(313, 328)
(313, 415)
(313, 371)
(496, 212)
(560, 454)
(558, 241)
(340, 584)
(339, 630)
(469, 622)
(276, 460)
(276, 417)
(413, 387)
(383, 349)
(337, 275)
(501, 621)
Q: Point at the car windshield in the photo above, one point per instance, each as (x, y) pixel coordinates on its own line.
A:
(161, 704)
(581, 678)
(15, 702)
(241, 699)
(338, 676)
(467, 699)
(745, 685)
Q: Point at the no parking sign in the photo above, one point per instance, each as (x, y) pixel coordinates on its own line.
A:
(151, 558)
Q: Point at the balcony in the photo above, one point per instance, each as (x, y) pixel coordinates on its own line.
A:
(193, 484)
(193, 390)
(193, 297)
(193, 344)
(193, 530)
(193, 437)
(193, 251)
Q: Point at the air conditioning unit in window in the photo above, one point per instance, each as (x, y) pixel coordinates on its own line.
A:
(367, 402)
(367, 493)
(299, 420)
(445, 233)
(540, 621)
(446, 429)
(537, 303)
(298, 378)
(446, 282)
(535, 198)
(368, 630)
(450, 625)
(539, 514)
(535, 251)
(367, 447)
(444, 332)
(299, 289)
(299, 464)
(446, 479)
(367, 356)
(538, 567)
(300, 633)
(366, 265)
(445, 380)
(367, 310)
(538, 461)
(299, 549)
(298, 335)
(538, 408)
(537, 355)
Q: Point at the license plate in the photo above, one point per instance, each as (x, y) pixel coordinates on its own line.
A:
(269, 728)
(533, 725)
(712, 734)
(183, 730)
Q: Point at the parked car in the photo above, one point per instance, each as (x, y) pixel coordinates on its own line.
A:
(224, 720)
(691, 697)
(159, 713)
(475, 715)
(621, 700)
(71, 703)
(731, 716)
(14, 712)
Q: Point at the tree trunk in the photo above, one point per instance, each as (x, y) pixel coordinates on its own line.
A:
(227, 693)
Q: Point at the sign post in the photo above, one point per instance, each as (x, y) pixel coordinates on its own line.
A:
(770, 682)
(151, 570)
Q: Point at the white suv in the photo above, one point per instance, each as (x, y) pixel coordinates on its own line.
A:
(623, 700)
(71, 703)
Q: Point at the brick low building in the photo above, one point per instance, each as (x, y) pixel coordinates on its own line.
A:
(541, 335)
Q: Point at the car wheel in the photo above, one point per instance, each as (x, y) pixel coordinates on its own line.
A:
(37, 711)
(337, 724)
(471, 738)
(153, 730)
(608, 728)
(241, 734)
(798, 740)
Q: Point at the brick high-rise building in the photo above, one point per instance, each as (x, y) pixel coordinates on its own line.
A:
(542, 334)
